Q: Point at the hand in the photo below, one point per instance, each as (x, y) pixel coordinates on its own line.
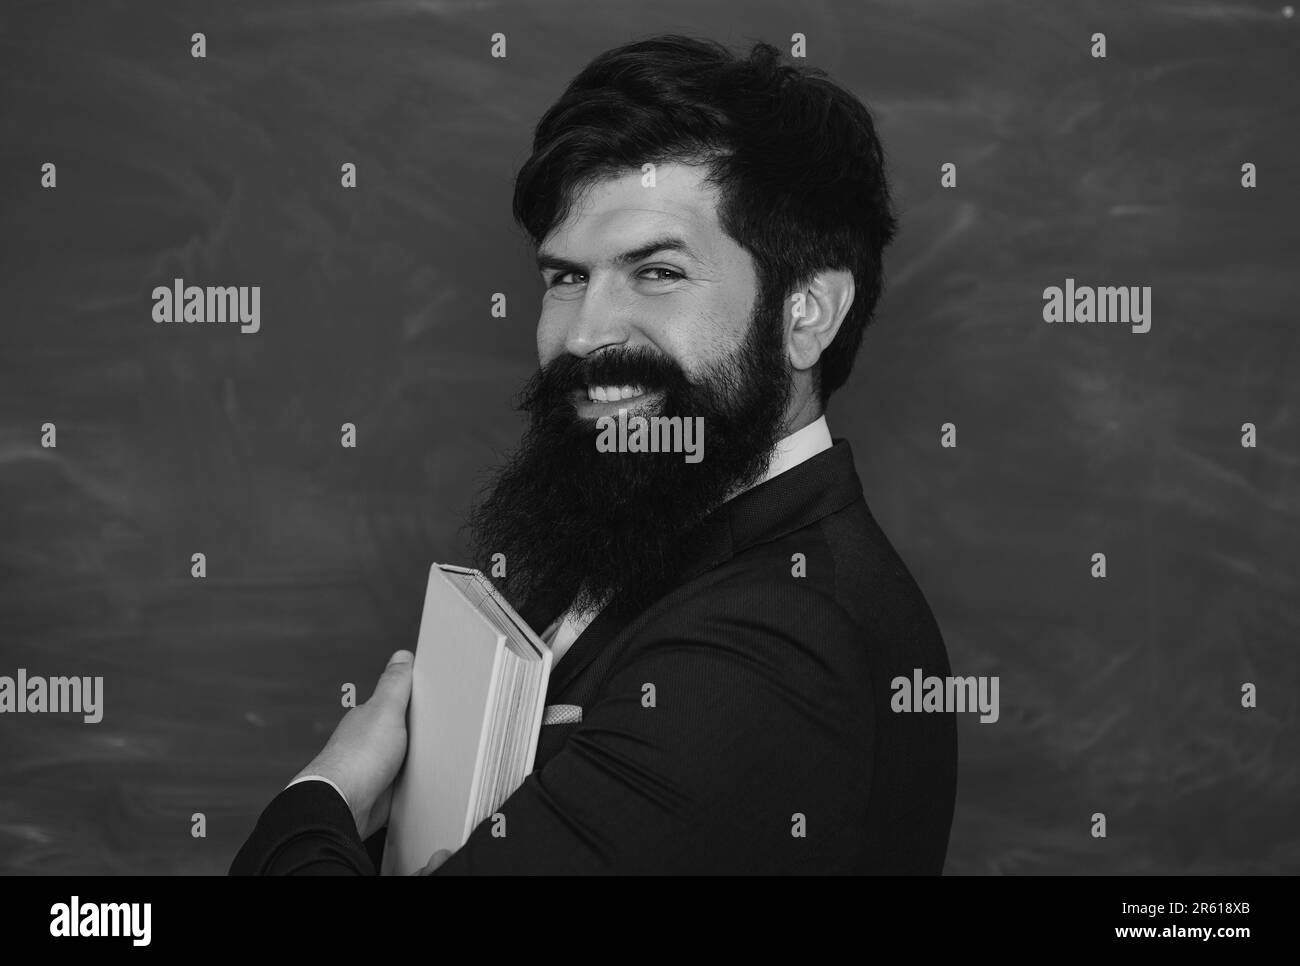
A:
(435, 860)
(367, 748)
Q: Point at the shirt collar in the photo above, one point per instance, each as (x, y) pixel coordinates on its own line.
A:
(800, 445)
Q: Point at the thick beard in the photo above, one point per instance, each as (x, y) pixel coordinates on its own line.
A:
(598, 528)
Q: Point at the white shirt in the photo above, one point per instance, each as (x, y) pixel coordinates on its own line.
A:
(320, 778)
(802, 444)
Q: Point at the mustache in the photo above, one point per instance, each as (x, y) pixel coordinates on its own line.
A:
(640, 366)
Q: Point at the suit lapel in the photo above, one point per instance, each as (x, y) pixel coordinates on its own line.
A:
(710, 546)
(821, 485)
(588, 644)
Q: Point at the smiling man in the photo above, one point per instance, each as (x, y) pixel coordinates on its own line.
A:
(709, 231)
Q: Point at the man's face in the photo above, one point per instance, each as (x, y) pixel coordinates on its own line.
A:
(609, 290)
(648, 307)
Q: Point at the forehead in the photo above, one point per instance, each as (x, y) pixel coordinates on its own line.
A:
(620, 213)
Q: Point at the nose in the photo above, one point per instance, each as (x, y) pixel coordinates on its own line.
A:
(599, 322)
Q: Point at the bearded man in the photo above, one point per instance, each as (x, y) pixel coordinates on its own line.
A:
(709, 229)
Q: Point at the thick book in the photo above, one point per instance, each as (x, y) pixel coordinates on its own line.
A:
(478, 690)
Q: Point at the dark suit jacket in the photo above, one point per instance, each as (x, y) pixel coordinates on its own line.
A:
(769, 746)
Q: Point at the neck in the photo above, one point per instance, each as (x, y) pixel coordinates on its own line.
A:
(804, 412)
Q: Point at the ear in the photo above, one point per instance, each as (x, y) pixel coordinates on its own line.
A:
(814, 314)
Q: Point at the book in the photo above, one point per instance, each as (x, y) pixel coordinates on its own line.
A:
(477, 695)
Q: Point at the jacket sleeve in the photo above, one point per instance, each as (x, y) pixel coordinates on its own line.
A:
(307, 829)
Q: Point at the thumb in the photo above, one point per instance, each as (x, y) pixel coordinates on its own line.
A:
(394, 685)
(435, 860)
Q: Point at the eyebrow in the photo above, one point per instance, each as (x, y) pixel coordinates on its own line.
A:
(665, 243)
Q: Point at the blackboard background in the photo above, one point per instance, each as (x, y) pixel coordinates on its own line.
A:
(1119, 696)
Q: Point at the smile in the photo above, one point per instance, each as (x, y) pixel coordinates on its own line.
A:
(592, 402)
(613, 393)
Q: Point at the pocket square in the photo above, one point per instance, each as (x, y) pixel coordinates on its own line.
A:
(561, 714)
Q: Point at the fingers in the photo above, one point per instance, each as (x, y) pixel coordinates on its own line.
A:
(394, 685)
(435, 860)
(378, 816)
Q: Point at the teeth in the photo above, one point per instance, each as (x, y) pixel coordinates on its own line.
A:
(613, 393)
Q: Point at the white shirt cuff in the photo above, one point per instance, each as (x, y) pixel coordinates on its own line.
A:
(320, 778)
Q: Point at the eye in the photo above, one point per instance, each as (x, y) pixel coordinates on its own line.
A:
(667, 271)
(555, 279)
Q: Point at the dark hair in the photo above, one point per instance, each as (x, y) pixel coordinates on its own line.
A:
(796, 159)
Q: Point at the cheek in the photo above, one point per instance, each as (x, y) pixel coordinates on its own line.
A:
(550, 337)
(708, 341)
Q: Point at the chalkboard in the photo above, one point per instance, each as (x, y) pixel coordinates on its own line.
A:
(1120, 695)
